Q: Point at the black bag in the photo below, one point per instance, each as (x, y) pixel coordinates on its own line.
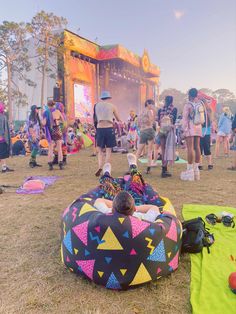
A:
(196, 236)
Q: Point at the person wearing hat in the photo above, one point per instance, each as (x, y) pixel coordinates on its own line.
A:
(5, 140)
(34, 126)
(105, 135)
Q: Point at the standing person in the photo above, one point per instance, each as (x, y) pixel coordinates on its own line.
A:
(192, 132)
(52, 119)
(224, 129)
(63, 124)
(5, 140)
(233, 139)
(166, 118)
(34, 126)
(205, 141)
(147, 132)
(105, 134)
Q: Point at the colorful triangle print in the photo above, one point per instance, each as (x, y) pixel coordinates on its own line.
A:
(82, 232)
(67, 242)
(133, 252)
(98, 229)
(158, 254)
(86, 208)
(108, 259)
(110, 241)
(123, 271)
(87, 267)
(174, 262)
(62, 256)
(126, 234)
(137, 226)
(172, 233)
(66, 211)
(76, 251)
(141, 276)
(121, 220)
(100, 273)
(113, 283)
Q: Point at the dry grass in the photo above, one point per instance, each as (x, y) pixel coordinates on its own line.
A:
(32, 278)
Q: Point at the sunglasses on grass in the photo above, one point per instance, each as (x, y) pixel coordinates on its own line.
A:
(226, 220)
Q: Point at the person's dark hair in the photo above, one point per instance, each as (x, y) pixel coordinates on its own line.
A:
(123, 203)
(149, 102)
(193, 93)
(34, 117)
(168, 100)
(51, 103)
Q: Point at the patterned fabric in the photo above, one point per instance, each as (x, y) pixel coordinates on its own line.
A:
(56, 133)
(169, 111)
(118, 251)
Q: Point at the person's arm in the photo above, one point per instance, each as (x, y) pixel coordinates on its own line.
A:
(115, 112)
(145, 208)
(174, 115)
(108, 203)
(185, 118)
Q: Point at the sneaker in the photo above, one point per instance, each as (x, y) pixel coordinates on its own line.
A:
(50, 165)
(187, 175)
(98, 172)
(201, 167)
(210, 167)
(4, 170)
(61, 165)
(148, 170)
(106, 168)
(132, 160)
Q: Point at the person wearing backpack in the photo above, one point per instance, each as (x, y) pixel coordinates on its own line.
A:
(166, 118)
(205, 141)
(193, 118)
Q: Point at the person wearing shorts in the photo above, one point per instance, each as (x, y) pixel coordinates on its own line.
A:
(205, 140)
(105, 135)
(147, 132)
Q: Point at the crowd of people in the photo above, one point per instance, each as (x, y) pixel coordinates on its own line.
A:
(154, 133)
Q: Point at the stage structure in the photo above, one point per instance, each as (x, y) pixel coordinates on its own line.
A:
(88, 68)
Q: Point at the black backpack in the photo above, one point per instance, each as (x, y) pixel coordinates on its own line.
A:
(195, 236)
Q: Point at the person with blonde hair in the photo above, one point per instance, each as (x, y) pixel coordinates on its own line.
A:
(224, 130)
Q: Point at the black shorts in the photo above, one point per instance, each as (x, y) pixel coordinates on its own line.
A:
(205, 145)
(105, 137)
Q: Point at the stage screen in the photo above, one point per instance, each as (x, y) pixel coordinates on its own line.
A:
(82, 101)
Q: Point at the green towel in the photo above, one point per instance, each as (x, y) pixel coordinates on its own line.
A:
(210, 293)
(145, 161)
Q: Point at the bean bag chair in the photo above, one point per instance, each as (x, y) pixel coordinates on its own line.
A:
(118, 251)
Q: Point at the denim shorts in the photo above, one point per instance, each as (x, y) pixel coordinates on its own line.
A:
(105, 137)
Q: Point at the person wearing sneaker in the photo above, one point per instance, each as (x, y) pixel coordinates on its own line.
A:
(5, 140)
(233, 147)
(192, 134)
(34, 126)
(104, 112)
(166, 118)
(205, 140)
(52, 120)
(147, 133)
(122, 201)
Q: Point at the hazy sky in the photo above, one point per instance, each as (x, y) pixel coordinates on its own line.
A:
(192, 41)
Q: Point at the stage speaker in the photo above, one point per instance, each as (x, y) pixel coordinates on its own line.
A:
(56, 94)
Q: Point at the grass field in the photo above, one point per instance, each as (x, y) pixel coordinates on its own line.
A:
(32, 277)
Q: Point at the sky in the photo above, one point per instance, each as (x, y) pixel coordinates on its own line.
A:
(192, 41)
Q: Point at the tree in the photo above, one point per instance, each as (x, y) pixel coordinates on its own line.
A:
(13, 57)
(46, 31)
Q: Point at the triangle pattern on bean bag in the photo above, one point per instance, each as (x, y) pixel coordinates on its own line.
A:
(174, 262)
(158, 254)
(110, 241)
(86, 208)
(137, 226)
(172, 233)
(87, 267)
(141, 276)
(81, 232)
(113, 283)
(67, 242)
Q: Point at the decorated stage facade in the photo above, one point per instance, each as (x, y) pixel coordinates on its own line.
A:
(89, 68)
